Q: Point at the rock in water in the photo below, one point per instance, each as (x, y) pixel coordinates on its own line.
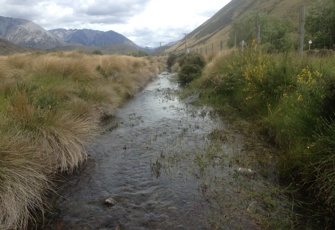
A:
(110, 202)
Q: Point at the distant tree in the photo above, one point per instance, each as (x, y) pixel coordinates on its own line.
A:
(139, 53)
(97, 52)
(275, 31)
(320, 23)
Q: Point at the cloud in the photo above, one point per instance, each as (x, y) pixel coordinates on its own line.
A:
(127, 8)
(146, 22)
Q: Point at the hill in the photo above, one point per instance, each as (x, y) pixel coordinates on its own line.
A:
(26, 33)
(213, 34)
(7, 47)
(111, 49)
(87, 37)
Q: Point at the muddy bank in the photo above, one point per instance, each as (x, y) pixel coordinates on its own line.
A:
(167, 165)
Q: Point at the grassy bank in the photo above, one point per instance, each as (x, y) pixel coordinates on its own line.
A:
(291, 100)
(51, 106)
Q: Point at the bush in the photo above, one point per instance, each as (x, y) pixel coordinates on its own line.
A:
(293, 99)
(97, 52)
(171, 61)
(191, 66)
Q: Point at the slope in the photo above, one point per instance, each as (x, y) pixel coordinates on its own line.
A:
(7, 48)
(212, 35)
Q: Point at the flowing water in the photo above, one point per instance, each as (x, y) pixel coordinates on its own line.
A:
(157, 162)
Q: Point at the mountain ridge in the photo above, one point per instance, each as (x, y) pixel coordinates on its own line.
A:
(26, 33)
(89, 37)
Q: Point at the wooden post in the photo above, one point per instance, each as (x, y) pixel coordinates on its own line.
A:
(258, 31)
(301, 31)
(185, 43)
(235, 40)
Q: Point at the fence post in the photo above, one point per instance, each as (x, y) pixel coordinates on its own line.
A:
(258, 30)
(301, 31)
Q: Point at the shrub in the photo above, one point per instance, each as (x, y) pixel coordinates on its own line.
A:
(191, 66)
(171, 61)
(293, 99)
(97, 52)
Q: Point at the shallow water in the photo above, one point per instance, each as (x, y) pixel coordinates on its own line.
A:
(150, 161)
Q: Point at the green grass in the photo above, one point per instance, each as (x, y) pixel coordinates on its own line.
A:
(291, 100)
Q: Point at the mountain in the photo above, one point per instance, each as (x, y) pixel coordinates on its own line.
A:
(88, 37)
(26, 33)
(214, 33)
(7, 47)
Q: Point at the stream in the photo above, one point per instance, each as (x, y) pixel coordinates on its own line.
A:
(157, 161)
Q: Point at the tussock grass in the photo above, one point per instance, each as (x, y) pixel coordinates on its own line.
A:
(24, 180)
(51, 106)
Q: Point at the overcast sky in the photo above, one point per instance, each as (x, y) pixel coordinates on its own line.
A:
(145, 22)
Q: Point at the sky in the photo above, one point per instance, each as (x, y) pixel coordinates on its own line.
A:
(145, 22)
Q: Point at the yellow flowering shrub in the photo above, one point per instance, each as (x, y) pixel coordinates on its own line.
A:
(309, 85)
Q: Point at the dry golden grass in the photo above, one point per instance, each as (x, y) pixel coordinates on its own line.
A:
(63, 142)
(50, 109)
(24, 181)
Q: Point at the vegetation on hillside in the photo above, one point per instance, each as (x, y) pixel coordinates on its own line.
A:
(320, 24)
(275, 31)
(51, 107)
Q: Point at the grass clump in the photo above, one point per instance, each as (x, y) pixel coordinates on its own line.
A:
(291, 99)
(51, 106)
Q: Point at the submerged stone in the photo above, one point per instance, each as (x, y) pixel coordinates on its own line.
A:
(110, 202)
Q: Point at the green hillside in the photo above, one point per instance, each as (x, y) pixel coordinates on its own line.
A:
(213, 34)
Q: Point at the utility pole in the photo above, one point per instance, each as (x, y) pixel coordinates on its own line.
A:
(235, 40)
(258, 30)
(185, 42)
(301, 31)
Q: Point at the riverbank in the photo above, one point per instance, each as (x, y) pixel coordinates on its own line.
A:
(289, 101)
(51, 107)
